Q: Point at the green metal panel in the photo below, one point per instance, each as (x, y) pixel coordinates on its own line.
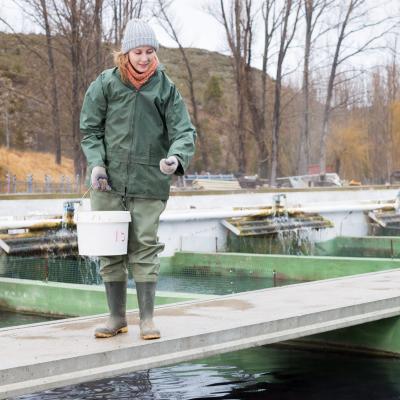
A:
(379, 337)
(64, 299)
(365, 246)
(341, 246)
(300, 268)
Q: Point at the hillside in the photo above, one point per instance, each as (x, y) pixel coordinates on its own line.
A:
(25, 77)
(23, 163)
(27, 97)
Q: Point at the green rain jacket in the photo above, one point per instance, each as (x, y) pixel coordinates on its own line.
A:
(129, 131)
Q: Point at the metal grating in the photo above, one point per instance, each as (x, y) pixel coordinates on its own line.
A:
(384, 218)
(267, 225)
(53, 243)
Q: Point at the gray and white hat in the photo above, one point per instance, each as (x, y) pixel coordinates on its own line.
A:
(138, 33)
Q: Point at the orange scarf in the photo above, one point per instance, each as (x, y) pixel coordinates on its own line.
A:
(139, 79)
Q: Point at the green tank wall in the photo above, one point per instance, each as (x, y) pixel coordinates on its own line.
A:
(69, 300)
(291, 243)
(366, 246)
(283, 267)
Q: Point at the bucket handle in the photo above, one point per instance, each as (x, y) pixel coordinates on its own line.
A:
(87, 191)
(91, 187)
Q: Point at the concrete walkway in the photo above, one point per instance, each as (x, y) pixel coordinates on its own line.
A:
(42, 356)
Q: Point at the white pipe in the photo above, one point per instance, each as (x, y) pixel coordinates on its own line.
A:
(21, 224)
(222, 213)
(344, 207)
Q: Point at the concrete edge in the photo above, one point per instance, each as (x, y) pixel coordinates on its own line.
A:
(285, 256)
(205, 299)
(76, 377)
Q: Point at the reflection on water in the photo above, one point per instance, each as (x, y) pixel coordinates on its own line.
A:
(218, 285)
(13, 319)
(255, 374)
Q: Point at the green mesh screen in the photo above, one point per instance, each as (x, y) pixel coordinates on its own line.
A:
(190, 278)
(206, 275)
(67, 269)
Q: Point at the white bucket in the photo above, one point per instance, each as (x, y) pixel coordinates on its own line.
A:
(102, 233)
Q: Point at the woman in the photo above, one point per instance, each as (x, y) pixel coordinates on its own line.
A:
(137, 133)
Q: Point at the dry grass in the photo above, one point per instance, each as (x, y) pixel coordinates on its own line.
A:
(23, 163)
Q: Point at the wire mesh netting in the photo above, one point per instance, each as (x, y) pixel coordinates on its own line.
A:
(203, 275)
(191, 278)
(66, 269)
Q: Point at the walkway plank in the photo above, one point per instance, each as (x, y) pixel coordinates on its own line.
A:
(58, 353)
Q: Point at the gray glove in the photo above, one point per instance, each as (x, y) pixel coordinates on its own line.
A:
(169, 165)
(99, 179)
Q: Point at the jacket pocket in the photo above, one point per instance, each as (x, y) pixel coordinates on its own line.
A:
(147, 180)
(156, 153)
(117, 172)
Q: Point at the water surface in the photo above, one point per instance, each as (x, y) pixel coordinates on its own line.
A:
(13, 319)
(263, 373)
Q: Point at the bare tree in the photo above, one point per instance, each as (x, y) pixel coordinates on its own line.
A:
(354, 21)
(98, 33)
(69, 19)
(393, 92)
(78, 25)
(237, 32)
(39, 9)
(75, 9)
(123, 11)
(313, 11)
(5, 100)
(170, 27)
(288, 29)
(257, 99)
(383, 106)
(55, 112)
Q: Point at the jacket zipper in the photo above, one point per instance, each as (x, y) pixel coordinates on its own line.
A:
(124, 200)
(135, 91)
(132, 139)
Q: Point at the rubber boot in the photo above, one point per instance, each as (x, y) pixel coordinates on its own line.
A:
(146, 293)
(116, 323)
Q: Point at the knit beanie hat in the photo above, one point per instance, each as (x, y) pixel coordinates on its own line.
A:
(138, 33)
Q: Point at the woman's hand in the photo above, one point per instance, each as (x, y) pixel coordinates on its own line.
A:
(169, 165)
(99, 179)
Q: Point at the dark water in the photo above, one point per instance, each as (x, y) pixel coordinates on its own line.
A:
(215, 285)
(269, 373)
(13, 319)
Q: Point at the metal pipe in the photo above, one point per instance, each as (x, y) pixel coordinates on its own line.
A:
(223, 213)
(39, 244)
(51, 238)
(44, 248)
(218, 213)
(4, 236)
(31, 224)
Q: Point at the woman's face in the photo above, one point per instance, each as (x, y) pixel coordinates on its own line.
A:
(141, 58)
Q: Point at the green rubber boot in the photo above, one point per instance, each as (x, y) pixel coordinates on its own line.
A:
(116, 323)
(146, 293)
